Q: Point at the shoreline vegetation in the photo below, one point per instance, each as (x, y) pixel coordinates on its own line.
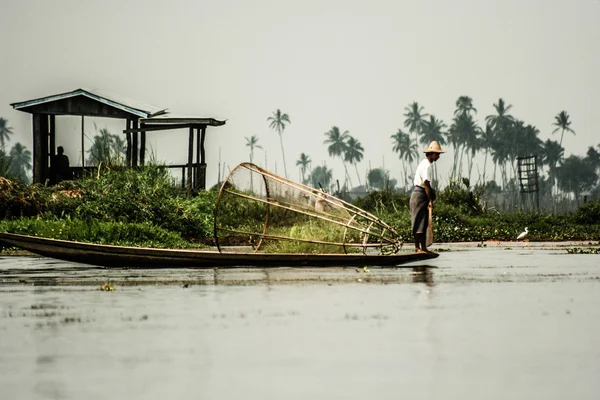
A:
(143, 207)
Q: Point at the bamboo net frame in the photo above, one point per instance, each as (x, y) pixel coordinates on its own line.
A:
(263, 210)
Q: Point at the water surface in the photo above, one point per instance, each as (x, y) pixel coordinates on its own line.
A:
(481, 323)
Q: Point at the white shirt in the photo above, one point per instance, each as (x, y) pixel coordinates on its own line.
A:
(423, 173)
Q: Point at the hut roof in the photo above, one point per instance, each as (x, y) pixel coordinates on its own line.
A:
(177, 119)
(137, 108)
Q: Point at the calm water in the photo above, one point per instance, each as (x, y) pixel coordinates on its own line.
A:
(475, 324)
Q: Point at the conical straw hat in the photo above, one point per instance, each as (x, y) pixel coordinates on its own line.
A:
(434, 147)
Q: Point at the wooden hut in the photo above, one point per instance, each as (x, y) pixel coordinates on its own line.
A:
(139, 119)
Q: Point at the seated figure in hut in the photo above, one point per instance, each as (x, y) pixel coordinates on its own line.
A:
(60, 166)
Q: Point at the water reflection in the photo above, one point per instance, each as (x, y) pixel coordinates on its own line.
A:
(423, 274)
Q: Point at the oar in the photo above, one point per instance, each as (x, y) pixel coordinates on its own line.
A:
(429, 232)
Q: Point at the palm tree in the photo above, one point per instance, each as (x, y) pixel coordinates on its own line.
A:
(20, 161)
(502, 117)
(415, 119)
(433, 130)
(464, 105)
(487, 140)
(501, 124)
(463, 134)
(338, 146)
(303, 162)
(5, 165)
(354, 154)
(5, 131)
(252, 143)
(562, 123)
(106, 149)
(278, 121)
(552, 154)
(406, 149)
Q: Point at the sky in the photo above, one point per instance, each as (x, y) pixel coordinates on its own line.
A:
(346, 63)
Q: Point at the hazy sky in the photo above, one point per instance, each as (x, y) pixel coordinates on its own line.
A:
(353, 64)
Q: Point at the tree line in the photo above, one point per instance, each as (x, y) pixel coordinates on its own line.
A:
(501, 140)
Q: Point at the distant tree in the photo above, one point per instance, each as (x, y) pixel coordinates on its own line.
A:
(415, 119)
(277, 123)
(320, 177)
(502, 118)
(593, 157)
(338, 146)
(487, 140)
(464, 105)
(379, 179)
(406, 149)
(501, 124)
(106, 149)
(562, 123)
(433, 130)
(5, 132)
(552, 154)
(463, 134)
(303, 162)
(252, 143)
(20, 161)
(354, 154)
(576, 176)
(5, 165)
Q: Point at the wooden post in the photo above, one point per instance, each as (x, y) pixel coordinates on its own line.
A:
(82, 145)
(190, 161)
(128, 139)
(52, 146)
(44, 136)
(197, 180)
(143, 145)
(134, 154)
(52, 137)
(202, 160)
(37, 149)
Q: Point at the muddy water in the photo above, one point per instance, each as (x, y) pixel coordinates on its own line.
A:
(479, 323)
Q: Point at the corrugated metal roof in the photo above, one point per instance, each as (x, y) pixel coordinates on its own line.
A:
(174, 119)
(142, 110)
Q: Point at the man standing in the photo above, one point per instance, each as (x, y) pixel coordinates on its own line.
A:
(423, 196)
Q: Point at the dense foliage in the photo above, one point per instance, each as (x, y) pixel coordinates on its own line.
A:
(112, 199)
(144, 207)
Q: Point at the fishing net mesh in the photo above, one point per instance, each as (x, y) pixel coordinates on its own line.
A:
(273, 214)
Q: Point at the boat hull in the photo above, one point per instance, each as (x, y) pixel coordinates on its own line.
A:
(138, 257)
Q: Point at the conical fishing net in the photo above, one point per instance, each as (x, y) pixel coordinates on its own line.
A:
(272, 214)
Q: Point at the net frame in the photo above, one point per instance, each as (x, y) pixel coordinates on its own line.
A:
(279, 193)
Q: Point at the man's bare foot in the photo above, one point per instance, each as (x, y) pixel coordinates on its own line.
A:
(420, 251)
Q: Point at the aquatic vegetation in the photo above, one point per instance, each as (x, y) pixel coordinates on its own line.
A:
(578, 250)
(107, 287)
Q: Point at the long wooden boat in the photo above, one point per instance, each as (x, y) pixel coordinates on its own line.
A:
(137, 257)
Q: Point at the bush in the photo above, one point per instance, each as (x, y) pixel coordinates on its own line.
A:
(380, 201)
(588, 214)
(113, 233)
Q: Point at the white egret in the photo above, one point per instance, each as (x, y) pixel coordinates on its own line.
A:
(522, 234)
